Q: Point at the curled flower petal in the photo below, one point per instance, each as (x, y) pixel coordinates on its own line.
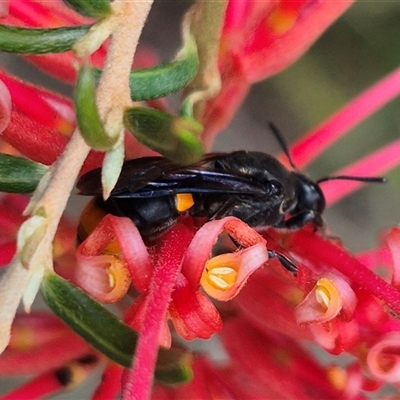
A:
(327, 299)
(383, 358)
(105, 277)
(130, 244)
(225, 275)
(200, 248)
(193, 314)
(392, 240)
(134, 251)
(5, 106)
(323, 252)
(336, 336)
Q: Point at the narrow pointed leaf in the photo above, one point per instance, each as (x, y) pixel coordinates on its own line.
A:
(19, 175)
(98, 326)
(105, 332)
(176, 138)
(87, 115)
(90, 8)
(39, 41)
(164, 79)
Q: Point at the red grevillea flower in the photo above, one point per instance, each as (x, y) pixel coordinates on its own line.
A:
(181, 287)
(252, 32)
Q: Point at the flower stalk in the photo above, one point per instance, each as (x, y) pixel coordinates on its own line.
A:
(113, 96)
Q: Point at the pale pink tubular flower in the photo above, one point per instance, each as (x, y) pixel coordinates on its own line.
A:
(392, 241)
(330, 296)
(383, 358)
(336, 301)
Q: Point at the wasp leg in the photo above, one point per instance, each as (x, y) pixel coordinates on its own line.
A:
(286, 263)
(301, 219)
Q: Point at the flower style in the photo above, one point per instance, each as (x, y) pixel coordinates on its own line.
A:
(199, 279)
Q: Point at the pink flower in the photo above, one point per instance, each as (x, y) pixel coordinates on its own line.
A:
(253, 31)
(180, 287)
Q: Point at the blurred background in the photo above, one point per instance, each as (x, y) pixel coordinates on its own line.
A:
(358, 50)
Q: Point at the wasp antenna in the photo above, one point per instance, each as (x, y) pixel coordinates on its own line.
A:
(282, 142)
(370, 179)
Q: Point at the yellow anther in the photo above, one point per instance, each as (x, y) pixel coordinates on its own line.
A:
(326, 292)
(220, 277)
(111, 278)
(118, 280)
(322, 296)
(183, 201)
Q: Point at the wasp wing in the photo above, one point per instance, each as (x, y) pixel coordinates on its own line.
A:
(157, 176)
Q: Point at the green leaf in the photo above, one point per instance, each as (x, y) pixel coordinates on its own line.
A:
(90, 8)
(19, 175)
(176, 138)
(98, 326)
(87, 115)
(105, 332)
(39, 41)
(164, 79)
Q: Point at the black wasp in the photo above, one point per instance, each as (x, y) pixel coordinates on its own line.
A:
(252, 186)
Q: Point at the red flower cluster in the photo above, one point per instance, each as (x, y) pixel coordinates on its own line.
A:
(275, 325)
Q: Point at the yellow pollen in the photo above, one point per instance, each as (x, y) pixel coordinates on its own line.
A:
(118, 280)
(221, 277)
(322, 295)
(183, 201)
(111, 278)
